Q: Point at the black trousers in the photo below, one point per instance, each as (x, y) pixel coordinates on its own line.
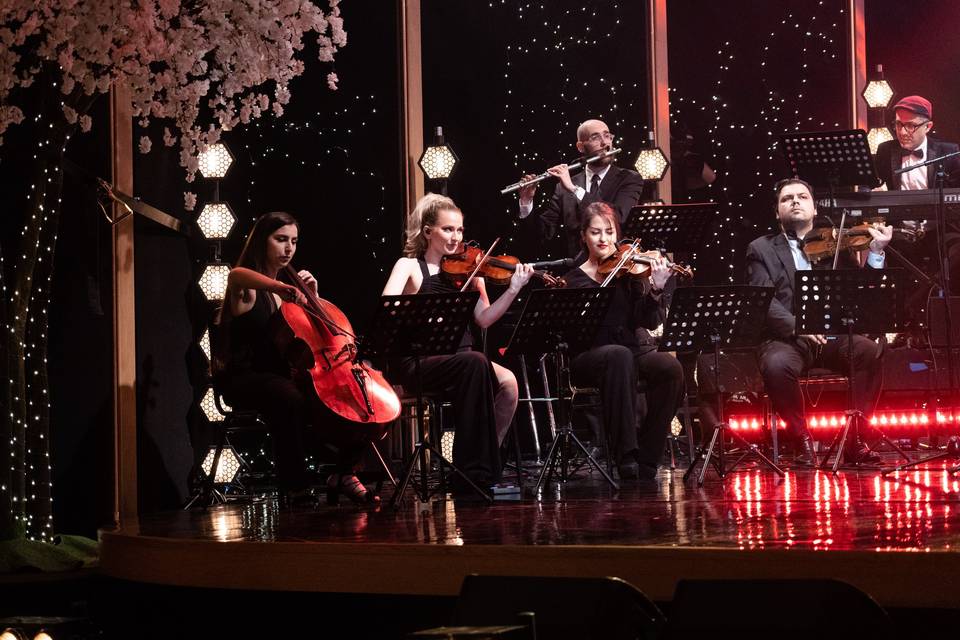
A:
(466, 378)
(782, 362)
(287, 410)
(615, 369)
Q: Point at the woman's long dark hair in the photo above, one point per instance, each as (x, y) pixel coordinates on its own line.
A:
(252, 256)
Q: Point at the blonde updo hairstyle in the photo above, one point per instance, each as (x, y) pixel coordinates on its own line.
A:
(425, 214)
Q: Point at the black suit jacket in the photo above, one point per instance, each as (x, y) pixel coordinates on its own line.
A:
(620, 187)
(770, 263)
(889, 160)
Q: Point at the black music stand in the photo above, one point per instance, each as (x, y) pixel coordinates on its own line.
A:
(837, 302)
(418, 326)
(831, 158)
(710, 317)
(677, 228)
(561, 320)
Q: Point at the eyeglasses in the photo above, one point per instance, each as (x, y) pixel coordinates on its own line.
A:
(909, 127)
(606, 136)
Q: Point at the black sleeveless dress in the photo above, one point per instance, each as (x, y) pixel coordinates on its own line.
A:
(467, 380)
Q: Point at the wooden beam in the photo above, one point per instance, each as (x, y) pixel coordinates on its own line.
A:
(124, 320)
(411, 103)
(857, 63)
(659, 86)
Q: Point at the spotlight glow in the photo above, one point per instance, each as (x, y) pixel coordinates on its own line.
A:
(215, 161)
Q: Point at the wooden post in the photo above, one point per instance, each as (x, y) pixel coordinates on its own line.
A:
(857, 64)
(658, 88)
(124, 321)
(411, 103)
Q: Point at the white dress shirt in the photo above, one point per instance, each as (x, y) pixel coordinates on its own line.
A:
(916, 179)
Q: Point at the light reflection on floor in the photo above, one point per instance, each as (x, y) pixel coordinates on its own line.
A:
(752, 509)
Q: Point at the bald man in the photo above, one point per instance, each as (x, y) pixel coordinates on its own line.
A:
(599, 181)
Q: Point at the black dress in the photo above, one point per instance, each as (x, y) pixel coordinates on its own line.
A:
(615, 362)
(258, 378)
(467, 379)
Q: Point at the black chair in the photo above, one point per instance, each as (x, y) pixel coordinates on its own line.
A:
(815, 608)
(581, 608)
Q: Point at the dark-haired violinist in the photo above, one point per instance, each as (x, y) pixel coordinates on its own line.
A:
(617, 358)
(773, 260)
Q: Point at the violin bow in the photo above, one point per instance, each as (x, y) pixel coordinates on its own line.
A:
(313, 298)
(480, 262)
(627, 255)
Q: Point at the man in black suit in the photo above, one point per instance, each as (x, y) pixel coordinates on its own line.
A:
(601, 181)
(913, 121)
(773, 260)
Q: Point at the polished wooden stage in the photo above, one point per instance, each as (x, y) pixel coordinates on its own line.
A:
(893, 537)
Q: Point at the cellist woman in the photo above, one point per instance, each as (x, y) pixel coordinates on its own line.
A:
(484, 394)
(251, 372)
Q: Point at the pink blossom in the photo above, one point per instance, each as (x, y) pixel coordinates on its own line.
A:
(332, 80)
(168, 138)
(173, 56)
(189, 200)
(145, 144)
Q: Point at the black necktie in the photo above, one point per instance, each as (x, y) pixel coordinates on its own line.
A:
(595, 185)
(793, 236)
(916, 153)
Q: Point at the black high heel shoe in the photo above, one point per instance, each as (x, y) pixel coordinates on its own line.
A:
(350, 486)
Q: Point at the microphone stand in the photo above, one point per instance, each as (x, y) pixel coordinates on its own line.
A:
(944, 258)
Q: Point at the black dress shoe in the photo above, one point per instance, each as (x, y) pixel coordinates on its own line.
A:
(806, 456)
(859, 453)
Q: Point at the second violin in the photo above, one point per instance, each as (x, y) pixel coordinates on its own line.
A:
(630, 260)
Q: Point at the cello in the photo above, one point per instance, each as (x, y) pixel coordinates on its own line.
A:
(349, 387)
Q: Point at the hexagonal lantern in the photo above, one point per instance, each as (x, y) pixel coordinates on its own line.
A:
(438, 162)
(209, 406)
(205, 343)
(878, 94)
(876, 136)
(215, 161)
(652, 164)
(216, 220)
(227, 467)
(213, 281)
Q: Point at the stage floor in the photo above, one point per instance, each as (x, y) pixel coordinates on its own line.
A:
(894, 537)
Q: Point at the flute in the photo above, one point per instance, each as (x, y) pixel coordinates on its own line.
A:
(546, 174)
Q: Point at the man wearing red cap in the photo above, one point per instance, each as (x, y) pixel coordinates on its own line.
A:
(914, 120)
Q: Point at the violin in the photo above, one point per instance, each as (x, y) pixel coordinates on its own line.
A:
(460, 266)
(323, 341)
(821, 243)
(630, 260)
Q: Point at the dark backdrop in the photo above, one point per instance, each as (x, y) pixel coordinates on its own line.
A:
(509, 82)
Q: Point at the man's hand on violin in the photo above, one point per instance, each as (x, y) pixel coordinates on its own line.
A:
(562, 173)
(882, 235)
(308, 280)
(521, 276)
(659, 273)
